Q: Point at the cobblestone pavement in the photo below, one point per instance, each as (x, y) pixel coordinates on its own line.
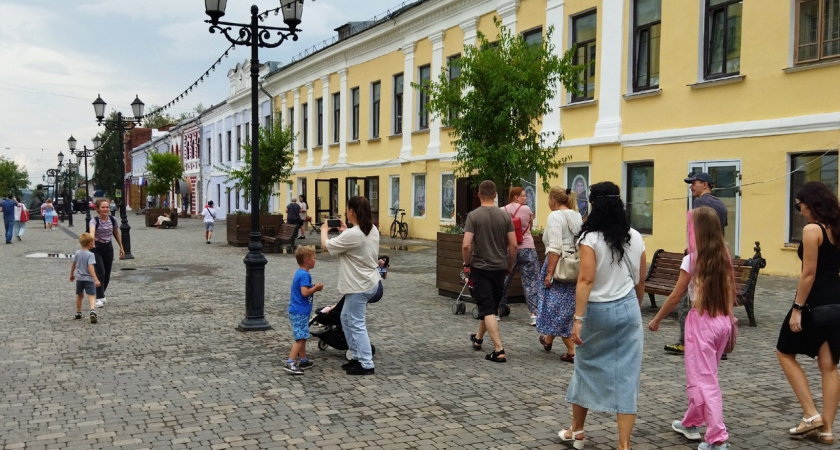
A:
(166, 368)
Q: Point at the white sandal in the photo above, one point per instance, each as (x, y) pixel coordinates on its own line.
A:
(578, 443)
(812, 423)
(825, 438)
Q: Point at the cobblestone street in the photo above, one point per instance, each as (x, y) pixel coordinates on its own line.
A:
(166, 368)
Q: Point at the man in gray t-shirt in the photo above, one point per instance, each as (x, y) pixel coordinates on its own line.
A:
(489, 251)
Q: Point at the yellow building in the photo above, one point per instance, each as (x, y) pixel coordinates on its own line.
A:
(742, 89)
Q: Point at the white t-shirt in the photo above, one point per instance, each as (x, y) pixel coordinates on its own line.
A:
(209, 214)
(685, 267)
(18, 211)
(357, 260)
(302, 209)
(613, 280)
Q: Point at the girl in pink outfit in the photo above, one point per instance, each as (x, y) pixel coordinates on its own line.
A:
(707, 272)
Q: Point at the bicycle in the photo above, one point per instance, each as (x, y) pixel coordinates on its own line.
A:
(399, 226)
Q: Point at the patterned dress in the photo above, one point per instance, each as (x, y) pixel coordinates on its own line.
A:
(556, 307)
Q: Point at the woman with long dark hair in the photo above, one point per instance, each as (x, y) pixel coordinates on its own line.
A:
(819, 285)
(607, 325)
(304, 217)
(357, 249)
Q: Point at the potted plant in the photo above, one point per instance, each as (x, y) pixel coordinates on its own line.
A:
(276, 161)
(163, 169)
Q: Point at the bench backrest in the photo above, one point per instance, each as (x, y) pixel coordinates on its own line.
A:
(665, 269)
(287, 232)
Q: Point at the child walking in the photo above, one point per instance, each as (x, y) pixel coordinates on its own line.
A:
(82, 272)
(300, 308)
(707, 273)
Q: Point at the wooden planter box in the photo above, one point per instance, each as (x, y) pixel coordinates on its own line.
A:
(450, 263)
(239, 227)
(153, 214)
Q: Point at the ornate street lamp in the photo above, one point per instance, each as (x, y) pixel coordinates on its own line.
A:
(120, 126)
(97, 141)
(255, 36)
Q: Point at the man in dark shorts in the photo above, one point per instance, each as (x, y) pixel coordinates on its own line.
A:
(489, 251)
(701, 189)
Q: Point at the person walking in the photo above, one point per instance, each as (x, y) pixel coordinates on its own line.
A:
(526, 253)
(556, 308)
(358, 279)
(103, 228)
(293, 213)
(303, 216)
(8, 205)
(489, 252)
(21, 217)
(701, 185)
(49, 214)
(607, 325)
(209, 214)
(707, 274)
(819, 284)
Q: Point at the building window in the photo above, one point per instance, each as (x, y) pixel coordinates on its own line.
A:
(583, 36)
(236, 196)
(209, 151)
(533, 37)
(247, 134)
(221, 149)
(375, 96)
(723, 37)
(647, 20)
(229, 146)
(398, 103)
(394, 199)
(336, 124)
(267, 122)
(453, 71)
(320, 104)
(354, 119)
(219, 195)
(238, 142)
(807, 167)
(418, 198)
(304, 119)
(639, 193)
(817, 30)
(292, 125)
(423, 107)
(447, 196)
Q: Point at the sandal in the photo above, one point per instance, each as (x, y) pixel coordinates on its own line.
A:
(578, 443)
(497, 356)
(568, 357)
(476, 344)
(825, 438)
(546, 345)
(811, 423)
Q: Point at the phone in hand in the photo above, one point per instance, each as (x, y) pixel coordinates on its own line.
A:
(334, 223)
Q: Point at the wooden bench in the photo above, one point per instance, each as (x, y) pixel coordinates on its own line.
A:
(172, 223)
(286, 234)
(664, 269)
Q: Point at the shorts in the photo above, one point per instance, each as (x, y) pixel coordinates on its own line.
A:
(300, 325)
(86, 286)
(208, 226)
(487, 289)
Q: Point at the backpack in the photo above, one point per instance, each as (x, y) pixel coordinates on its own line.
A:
(517, 225)
(113, 223)
(24, 215)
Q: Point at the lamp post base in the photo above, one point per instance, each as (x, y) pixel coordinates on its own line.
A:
(254, 325)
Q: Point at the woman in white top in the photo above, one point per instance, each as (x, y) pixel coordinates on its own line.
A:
(608, 321)
(358, 278)
(20, 227)
(303, 216)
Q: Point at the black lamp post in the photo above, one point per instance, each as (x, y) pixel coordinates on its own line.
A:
(66, 177)
(97, 141)
(120, 126)
(255, 36)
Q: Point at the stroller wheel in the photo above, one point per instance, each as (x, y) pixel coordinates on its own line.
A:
(455, 308)
(462, 308)
(504, 311)
(322, 345)
(475, 313)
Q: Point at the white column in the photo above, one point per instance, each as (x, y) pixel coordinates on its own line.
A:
(342, 117)
(296, 120)
(469, 27)
(284, 114)
(408, 99)
(609, 96)
(327, 113)
(508, 15)
(554, 14)
(437, 64)
(310, 160)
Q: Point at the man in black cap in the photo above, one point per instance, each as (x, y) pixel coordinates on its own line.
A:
(209, 214)
(701, 189)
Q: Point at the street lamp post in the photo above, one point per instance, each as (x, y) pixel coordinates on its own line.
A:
(97, 141)
(66, 177)
(120, 126)
(255, 36)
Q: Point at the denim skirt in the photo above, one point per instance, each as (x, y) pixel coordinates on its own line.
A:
(609, 362)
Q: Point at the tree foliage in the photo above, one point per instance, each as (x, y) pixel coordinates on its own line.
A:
(108, 163)
(13, 179)
(495, 107)
(162, 119)
(163, 168)
(276, 160)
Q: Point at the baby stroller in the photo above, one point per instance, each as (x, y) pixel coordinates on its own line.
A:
(330, 333)
(459, 307)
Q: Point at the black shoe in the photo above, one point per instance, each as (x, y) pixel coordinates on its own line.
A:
(476, 343)
(306, 364)
(724, 357)
(78, 316)
(93, 317)
(351, 364)
(359, 370)
(18, 238)
(208, 242)
(301, 237)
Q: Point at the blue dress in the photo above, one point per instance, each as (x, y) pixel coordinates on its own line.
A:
(556, 307)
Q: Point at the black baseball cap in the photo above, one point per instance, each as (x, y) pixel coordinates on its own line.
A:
(700, 176)
(210, 203)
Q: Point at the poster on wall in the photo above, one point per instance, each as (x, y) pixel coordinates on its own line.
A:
(578, 178)
(447, 196)
(395, 194)
(419, 209)
(530, 185)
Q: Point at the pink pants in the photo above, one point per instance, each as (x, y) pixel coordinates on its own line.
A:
(705, 338)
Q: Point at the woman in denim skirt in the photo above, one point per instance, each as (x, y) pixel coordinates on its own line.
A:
(607, 325)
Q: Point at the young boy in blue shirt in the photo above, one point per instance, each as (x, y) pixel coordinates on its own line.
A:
(81, 271)
(300, 308)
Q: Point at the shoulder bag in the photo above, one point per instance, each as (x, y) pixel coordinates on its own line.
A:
(568, 266)
(517, 225)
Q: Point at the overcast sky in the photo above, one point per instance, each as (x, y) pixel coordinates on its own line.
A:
(57, 55)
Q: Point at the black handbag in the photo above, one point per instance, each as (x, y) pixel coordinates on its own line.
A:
(826, 315)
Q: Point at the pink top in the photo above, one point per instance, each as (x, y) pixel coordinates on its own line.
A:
(524, 215)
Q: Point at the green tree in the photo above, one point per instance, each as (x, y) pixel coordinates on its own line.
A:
(495, 107)
(158, 120)
(276, 160)
(163, 168)
(13, 179)
(108, 163)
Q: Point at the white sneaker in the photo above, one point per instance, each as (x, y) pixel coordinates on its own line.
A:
(100, 303)
(533, 321)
